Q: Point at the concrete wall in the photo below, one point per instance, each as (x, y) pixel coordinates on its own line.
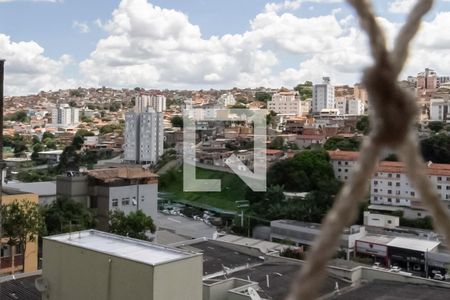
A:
(178, 280)
(91, 275)
(75, 188)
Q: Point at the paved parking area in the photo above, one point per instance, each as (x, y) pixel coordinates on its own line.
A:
(185, 226)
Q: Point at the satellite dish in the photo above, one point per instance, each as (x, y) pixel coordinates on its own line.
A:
(253, 294)
(41, 284)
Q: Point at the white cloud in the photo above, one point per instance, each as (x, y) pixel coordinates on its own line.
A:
(29, 70)
(82, 27)
(401, 6)
(153, 47)
(287, 4)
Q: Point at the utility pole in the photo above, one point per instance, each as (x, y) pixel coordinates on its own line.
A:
(2, 166)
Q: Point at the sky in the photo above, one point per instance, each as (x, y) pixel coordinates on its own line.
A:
(201, 44)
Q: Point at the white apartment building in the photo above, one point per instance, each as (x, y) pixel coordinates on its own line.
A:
(144, 136)
(343, 162)
(323, 96)
(65, 115)
(349, 106)
(439, 110)
(156, 102)
(226, 100)
(286, 103)
(390, 186)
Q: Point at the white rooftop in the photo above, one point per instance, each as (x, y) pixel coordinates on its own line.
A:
(413, 244)
(111, 244)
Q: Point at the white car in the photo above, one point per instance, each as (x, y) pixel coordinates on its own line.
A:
(438, 277)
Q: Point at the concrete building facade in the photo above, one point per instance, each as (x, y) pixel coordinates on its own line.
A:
(155, 102)
(65, 115)
(286, 103)
(144, 137)
(107, 266)
(323, 96)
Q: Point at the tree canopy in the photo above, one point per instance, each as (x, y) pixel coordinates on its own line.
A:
(305, 90)
(435, 126)
(263, 96)
(436, 148)
(21, 223)
(342, 143)
(363, 125)
(64, 215)
(177, 121)
(135, 224)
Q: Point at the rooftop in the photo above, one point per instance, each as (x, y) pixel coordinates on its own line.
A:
(113, 174)
(343, 155)
(217, 257)
(20, 288)
(381, 289)
(12, 191)
(413, 244)
(47, 188)
(111, 244)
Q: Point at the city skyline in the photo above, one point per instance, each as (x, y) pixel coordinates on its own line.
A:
(166, 44)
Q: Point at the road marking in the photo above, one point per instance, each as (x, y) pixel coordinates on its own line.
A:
(174, 220)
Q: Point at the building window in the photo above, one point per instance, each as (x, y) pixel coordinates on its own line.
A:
(439, 187)
(390, 175)
(389, 200)
(389, 222)
(389, 192)
(419, 214)
(413, 194)
(389, 183)
(5, 250)
(115, 202)
(439, 178)
(397, 184)
(375, 190)
(375, 182)
(398, 175)
(125, 201)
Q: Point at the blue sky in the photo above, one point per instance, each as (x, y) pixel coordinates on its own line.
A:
(56, 27)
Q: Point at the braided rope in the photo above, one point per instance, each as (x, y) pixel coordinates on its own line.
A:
(392, 126)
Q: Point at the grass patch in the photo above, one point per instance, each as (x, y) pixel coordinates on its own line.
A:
(233, 188)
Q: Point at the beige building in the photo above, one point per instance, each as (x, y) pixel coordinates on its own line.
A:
(108, 266)
(12, 259)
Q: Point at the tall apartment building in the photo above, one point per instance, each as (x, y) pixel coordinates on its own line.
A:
(65, 115)
(156, 102)
(144, 136)
(323, 96)
(439, 110)
(350, 106)
(226, 100)
(427, 80)
(97, 265)
(286, 103)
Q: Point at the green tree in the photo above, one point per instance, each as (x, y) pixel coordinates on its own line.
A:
(277, 143)
(135, 224)
(342, 143)
(48, 135)
(363, 125)
(177, 121)
(436, 148)
(19, 116)
(435, 126)
(21, 223)
(263, 96)
(64, 215)
(305, 90)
